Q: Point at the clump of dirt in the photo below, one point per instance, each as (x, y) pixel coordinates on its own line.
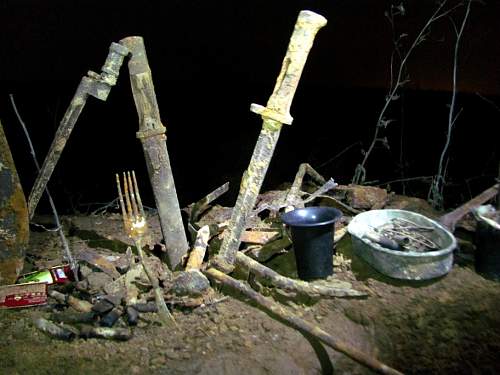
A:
(449, 325)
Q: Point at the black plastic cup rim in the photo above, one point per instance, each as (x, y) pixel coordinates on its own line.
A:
(311, 216)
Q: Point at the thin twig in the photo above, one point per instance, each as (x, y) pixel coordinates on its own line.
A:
(338, 155)
(491, 102)
(64, 241)
(436, 190)
(407, 179)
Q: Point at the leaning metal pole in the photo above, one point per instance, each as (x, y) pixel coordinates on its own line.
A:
(152, 136)
(276, 113)
(96, 85)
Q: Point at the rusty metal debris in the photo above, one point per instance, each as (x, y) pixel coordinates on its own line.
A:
(405, 235)
(274, 115)
(451, 219)
(152, 136)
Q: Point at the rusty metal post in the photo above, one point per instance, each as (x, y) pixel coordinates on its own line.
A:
(274, 115)
(152, 136)
(96, 85)
(14, 224)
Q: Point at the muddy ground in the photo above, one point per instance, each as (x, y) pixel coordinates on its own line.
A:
(446, 326)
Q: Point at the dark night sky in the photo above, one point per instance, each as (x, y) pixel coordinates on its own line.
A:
(210, 60)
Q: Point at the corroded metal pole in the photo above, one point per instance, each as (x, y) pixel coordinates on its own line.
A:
(14, 226)
(276, 113)
(96, 85)
(152, 136)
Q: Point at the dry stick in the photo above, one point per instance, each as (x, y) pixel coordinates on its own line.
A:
(334, 288)
(200, 206)
(199, 249)
(274, 116)
(166, 317)
(327, 186)
(301, 324)
(152, 136)
(437, 186)
(96, 85)
(293, 195)
(64, 241)
(341, 204)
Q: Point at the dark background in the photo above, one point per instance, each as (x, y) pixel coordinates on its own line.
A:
(210, 60)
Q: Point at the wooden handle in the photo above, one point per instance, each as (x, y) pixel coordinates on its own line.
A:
(278, 106)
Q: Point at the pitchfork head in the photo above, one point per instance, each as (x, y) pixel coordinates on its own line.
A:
(134, 219)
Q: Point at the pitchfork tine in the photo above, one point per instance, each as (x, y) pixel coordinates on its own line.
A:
(138, 196)
(127, 196)
(122, 204)
(132, 195)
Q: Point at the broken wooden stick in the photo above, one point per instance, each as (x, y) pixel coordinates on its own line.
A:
(301, 324)
(152, 136)
(203, 204)
(293, 195)
(199, 249)
(267, 251)
(274, 115)
(332, 288)
(96, 85)
(327, 186)
(451, 219)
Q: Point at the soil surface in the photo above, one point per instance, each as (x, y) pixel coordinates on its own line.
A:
(450, 325)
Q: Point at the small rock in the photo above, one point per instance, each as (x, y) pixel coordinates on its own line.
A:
(366, 197)
(191, 283)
